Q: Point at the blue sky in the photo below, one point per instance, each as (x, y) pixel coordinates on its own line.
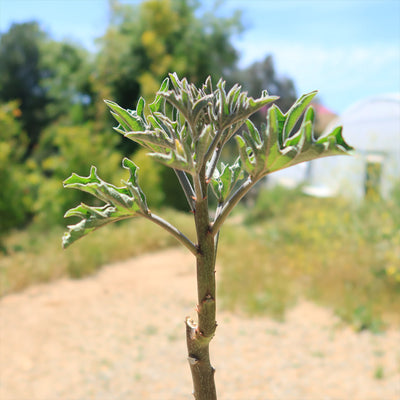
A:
(347, 49)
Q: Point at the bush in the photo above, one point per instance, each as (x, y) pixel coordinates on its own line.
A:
(61, 150)
(16, 197)
(340, 255)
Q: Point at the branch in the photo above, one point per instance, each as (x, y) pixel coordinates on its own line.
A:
(186, 186)
(173, 231)
(213, 145)
(231, 203)
(198, 188)
(213, 163)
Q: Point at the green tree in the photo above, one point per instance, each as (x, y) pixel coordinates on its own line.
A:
(67, 81)
(263, 74)
(51, 80)
(16, 200)
(62, 148)
(146, 41)
(20, 75)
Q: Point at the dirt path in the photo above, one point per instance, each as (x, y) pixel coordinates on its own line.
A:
(120, 336)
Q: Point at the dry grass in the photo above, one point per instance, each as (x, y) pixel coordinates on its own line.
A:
(342, 256)
(35, 256)
(289, 247)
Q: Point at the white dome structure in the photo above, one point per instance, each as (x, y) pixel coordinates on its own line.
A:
(372, 127)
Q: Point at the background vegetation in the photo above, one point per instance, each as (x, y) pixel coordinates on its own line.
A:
(53, 121)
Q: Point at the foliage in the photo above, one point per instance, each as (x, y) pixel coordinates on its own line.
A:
(16, 201)
(34, 255)
(159, 183)
(67, 81)
(262, 74)
(58, 85)
(63, 148)
(49, 79)
(188, 139)
(353, 267)
(146, 41)
(20, 75)
(121, 202)
(185, 128)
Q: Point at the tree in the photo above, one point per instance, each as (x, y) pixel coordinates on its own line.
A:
(188, 136)
(67, 81)
(20, 76)
(146, 41)
(67, 147)
(16, 200)
(49, 79)
(262, 74)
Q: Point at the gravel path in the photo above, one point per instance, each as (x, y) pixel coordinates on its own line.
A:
(119, 335)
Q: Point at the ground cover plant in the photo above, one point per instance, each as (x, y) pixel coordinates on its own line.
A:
(186, 129)
(340, 254)
(363, 290)
(35, 256)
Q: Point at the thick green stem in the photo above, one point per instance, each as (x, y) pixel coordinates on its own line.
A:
(198, 336)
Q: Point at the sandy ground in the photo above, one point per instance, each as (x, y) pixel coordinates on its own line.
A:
(119, 335)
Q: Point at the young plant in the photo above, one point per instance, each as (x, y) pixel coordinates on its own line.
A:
(186, 129)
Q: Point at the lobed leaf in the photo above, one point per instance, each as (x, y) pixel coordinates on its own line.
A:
(129, 120)
(121, 202)
(159, 102)
(276, 147)
(235, 107)
(225, 179)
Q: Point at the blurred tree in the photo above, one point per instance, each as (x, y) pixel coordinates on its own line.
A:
(50, 79)
(16, 200)
(144, 42)
(62, 149)
(20, 76)
(67, 81)
(262, 75)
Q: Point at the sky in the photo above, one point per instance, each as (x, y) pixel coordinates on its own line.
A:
(347, 49)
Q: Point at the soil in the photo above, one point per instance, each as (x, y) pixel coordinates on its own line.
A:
(120, 335)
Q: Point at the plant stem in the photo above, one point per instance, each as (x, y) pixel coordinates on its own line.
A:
(231, 203)
(186, 186)
(198, 336)
(173, 230)
(213, 163)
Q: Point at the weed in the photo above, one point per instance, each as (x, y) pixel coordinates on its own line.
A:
(320, 249)
(379, 372)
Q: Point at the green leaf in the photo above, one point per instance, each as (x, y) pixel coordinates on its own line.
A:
(295, 112)
(127, 119)
(199, 106)
(159, 101)
(225, 179)
(92, 219)
(121, 202)
(236, 107)
(140, 107)
(151, 139)
(277, 147)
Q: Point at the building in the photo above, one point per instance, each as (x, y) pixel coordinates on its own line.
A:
(372, 127)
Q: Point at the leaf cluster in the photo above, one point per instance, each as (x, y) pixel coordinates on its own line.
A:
(186, 127)
(201, 121)
(276, 146)
(120, 202)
